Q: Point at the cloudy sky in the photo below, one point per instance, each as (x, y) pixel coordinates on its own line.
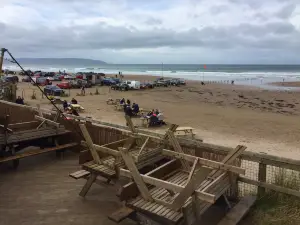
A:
(154, 31)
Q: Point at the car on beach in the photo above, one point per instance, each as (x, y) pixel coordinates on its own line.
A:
(53, 90)
(11, 79)
(26, 79)
(58, 77)
(147, 85)
(78, 83)
(108, 82)
(42, 81)
(133, 84)
(120, 87)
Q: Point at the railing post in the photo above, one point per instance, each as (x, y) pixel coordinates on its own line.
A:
(262, 177)
(2, 50)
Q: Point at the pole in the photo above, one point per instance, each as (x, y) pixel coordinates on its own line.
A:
(1, 59)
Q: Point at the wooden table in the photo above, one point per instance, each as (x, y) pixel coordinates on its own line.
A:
(77, 107)
(119, 107)
(145, 121)
(185, 131)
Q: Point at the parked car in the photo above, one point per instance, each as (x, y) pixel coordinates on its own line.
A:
(133, 84)
(64, 85)
(26, 79)
(78, 83)
(12, 79)
(58, 77)
(108, 82)
(120, 87)
(117, 80)
(9, 72)
(147, 85)
(160, 83)
(41, 81)
(53, 90)
(69, 77)
(175, 82)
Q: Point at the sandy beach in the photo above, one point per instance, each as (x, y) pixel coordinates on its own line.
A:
(264, 121)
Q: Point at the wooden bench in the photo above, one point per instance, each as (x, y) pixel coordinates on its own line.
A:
(79, 174)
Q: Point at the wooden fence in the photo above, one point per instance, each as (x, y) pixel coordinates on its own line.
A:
(263, 171)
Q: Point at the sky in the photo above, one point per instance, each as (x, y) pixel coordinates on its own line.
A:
(154, 31)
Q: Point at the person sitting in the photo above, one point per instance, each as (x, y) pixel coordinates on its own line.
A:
(160, 118)
(128, 111)
(74, 112)
(153, 120)
(65, 105)
(156, 111)
(150, 113)
(122, 101)
(74, 101)
(135, 109)
(20, 100)
(128, 102)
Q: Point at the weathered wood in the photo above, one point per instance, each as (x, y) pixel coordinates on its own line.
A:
(121, 214)
(171, 186)
(135, 174)
(177, 148)
(204, 162)
(236, 214)
(103, 149)
(262, 177)
(130, 190)
(37, 152)
(88, 185)
(26, 135)
(90, 144)
(79, 174)
(47, 121)
(270, 186)
(142, 148)
(198, 177)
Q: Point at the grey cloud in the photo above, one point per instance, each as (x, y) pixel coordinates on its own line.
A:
(153, 21)
(100, 36)
(286, 11)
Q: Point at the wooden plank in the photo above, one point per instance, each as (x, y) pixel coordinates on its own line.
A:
(17, 137)
(130, 190)
(37, 152)
(79, 174)
(121, 214)
(142, 148)
(177, 148)
(49, 122)
(135, 174)
(103, 149)
(88, 185)
(236, 214)
(90, 144)
(198, 177)
(204, 162)
(270, 186)
(262, 177)
(171, 186)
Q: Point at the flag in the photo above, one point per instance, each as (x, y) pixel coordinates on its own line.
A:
(204, 66)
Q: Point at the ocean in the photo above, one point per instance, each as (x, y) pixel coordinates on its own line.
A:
(257, 75)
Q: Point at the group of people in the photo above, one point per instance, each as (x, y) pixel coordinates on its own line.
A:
(68, 108)
(130, 110)
(155, 117)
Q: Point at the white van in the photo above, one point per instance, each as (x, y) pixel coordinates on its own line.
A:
(133, 84)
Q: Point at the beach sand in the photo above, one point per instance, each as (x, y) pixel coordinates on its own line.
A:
(264, 121)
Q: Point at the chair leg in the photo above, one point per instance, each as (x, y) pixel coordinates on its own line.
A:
(88, 185)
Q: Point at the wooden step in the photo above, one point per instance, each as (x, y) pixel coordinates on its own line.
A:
(121, 214)
(235, 215)
(79, 174)
(37, 152)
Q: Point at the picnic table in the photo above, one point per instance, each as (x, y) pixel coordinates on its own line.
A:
(186, 131)
(145, 121)
(77, 107)
(119, 107)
